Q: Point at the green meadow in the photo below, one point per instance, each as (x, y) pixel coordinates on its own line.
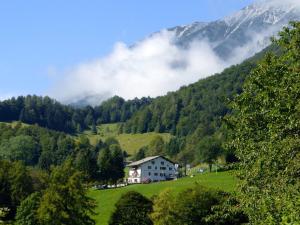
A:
(130, 143)
(106, 199)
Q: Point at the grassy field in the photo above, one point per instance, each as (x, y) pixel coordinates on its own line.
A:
(107, 198)
(131, 143)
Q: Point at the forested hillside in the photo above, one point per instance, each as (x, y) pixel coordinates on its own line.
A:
(51, 114)
(194, 114)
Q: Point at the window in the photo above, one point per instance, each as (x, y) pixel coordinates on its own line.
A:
(162, 163)
(149, 173)
(135, 180)
(155, 174)
(153, 162)
(162, 168)
(170, 168)
(162, 174)
(156, 167)
(149, 167)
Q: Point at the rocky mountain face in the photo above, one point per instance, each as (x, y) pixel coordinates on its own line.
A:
(249, 29)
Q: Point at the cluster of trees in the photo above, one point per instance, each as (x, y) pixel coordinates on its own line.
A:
(43, 148)
(193, 206)
(49, 113)
(33, 145)
(266, 135)
(43, 172)
(34, 197)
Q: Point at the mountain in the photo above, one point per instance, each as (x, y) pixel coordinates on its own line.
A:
(246, 32)
(219, 44)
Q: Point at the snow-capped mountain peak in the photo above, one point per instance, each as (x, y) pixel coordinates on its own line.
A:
(252, 25)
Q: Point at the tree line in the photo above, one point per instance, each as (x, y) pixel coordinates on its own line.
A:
(48, 113)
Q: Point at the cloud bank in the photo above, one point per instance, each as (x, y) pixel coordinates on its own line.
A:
(152, 67)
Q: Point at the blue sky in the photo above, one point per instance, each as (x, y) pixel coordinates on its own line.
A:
(37, 37)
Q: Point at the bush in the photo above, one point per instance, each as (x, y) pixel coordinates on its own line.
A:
(132, 209)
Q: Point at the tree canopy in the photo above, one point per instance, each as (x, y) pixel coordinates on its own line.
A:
(266, 131)
(132, 209)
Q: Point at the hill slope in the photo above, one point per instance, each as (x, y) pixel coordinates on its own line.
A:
(195, 112)
(130, 143)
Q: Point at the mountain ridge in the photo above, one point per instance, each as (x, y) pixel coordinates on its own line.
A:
(254, 23)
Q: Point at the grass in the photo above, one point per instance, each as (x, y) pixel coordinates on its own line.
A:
(15, 123)
(107, 198)
(131, 143)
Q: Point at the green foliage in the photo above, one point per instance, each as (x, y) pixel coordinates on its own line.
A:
(156, 146)
(15, 186)
(117, 163)
(85, 159)
(34, 145)
(193, 112)
(193, 205)
(111, 162)
(64, 201)
(163, 208)
(107, 198)
(209, 148)
(132, 209)
(196, 205)
(141, 153)
(22, 147)
(26, 213)
(49, 113)
(266, 139)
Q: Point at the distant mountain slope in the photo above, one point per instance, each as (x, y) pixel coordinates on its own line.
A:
(248, 29)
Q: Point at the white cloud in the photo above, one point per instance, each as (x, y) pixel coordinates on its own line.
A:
(150, 68)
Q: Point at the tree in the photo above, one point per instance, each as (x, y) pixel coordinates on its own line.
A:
(163, 208)
(156, 146)
(27, 211)
(65, 201)
(132, 209)
(193, 205)
(117, 163)
(15, 186)
(104, 164)
(266, 132)
(22, 147)
(141, 153)
(196, 205)
(209, 149)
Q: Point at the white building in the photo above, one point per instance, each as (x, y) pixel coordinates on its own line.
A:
(151, 169)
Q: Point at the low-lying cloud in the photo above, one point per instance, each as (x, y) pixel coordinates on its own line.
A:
(152, 67)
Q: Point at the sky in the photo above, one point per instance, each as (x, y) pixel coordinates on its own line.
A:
(40, 38)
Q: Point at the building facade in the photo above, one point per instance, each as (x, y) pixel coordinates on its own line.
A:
(151, 169)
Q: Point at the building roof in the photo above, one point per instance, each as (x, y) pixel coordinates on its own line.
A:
(147, 159)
